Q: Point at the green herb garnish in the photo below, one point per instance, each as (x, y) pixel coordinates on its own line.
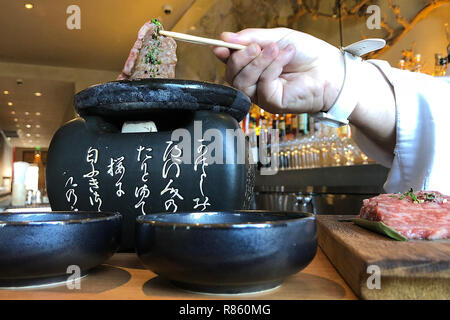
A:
(410, 194)
(152, 56)
(158, 28)
(429, 196)
(153, 72)
(156, 22)
(421, 198)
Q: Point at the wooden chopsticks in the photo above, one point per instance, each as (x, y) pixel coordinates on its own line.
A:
(200, 40)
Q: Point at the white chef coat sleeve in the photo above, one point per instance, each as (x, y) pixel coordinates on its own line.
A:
(421, 158)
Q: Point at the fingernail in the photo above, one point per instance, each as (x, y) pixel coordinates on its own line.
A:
(229, 35)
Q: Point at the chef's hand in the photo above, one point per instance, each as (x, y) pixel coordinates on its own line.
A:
(287, 71)
(283, 70)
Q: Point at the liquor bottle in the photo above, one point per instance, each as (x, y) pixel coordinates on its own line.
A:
(253, 117)
(312, 126)
(267, 122)
(294, 126)
(257, 119)
(344, 131)
(303, 124)
(282, 127)
(289, 134)
(245, 124)
(252, 125)
(263, 121)
(276, 121)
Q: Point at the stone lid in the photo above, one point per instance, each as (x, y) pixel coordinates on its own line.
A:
(146, 96)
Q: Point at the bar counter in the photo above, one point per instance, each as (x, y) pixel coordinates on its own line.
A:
(123, 277)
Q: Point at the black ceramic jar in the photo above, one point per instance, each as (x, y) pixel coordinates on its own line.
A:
(192, 163)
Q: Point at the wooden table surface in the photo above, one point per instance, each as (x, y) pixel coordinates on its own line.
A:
(124, 277)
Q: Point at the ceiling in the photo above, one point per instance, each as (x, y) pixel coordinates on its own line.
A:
(108, 30)
(34, 118)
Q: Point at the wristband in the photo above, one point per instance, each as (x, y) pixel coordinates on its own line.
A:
(347, 99)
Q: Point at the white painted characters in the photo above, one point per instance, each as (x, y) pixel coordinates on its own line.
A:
(203, 202)
(71, 196)
(116, 168)
(143, 192)
(94, 198)
(172, 159)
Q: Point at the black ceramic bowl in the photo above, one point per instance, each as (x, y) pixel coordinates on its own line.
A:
(38, 248)
(226, 252)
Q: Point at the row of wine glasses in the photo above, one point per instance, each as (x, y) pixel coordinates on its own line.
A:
(314, 152)
(323, 147)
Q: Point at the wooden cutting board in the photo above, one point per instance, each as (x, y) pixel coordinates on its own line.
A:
(416, 269)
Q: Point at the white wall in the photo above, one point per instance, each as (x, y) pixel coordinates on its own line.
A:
(5, 160)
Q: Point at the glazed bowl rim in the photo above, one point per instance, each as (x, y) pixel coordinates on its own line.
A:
(296, 217)
(185, 83)
(106, 216)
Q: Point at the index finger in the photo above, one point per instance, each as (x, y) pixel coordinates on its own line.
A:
(222, 53)
(262, 37)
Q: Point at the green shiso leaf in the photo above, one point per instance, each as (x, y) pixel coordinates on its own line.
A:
(380, 228)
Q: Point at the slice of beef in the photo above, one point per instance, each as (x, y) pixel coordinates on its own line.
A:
(152, 55)
(422, 219)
